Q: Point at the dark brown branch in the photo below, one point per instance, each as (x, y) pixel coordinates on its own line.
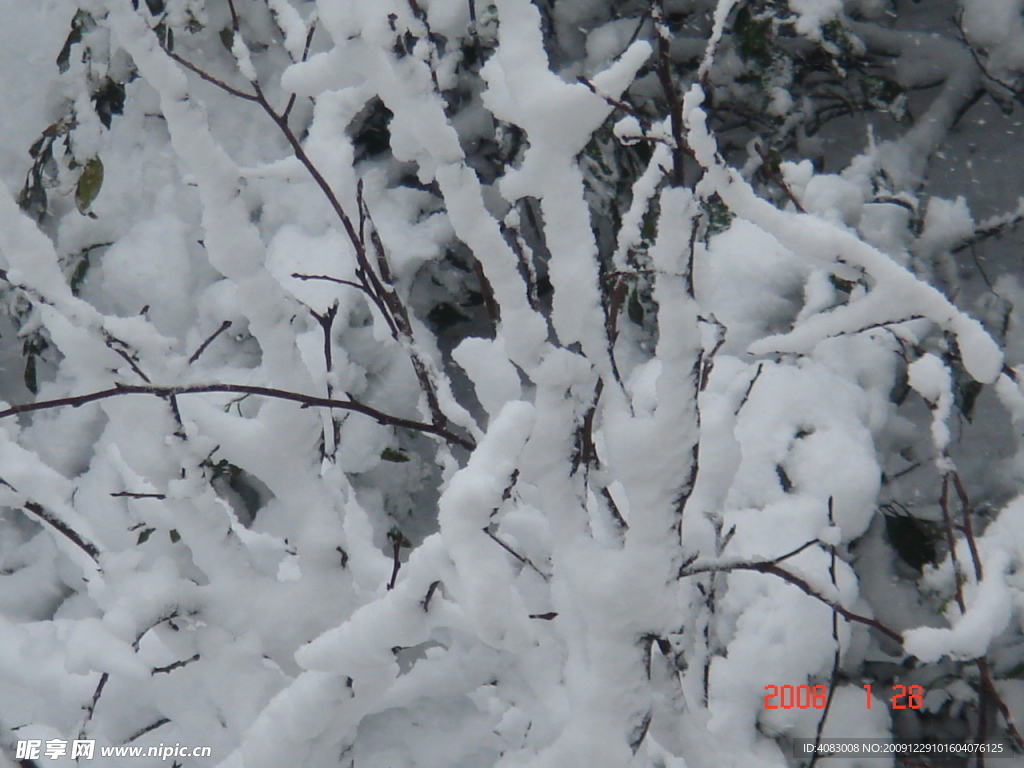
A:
(883, 325)
(378, 302)
(175, 665)
(430, 594)
(208, 77)
(837, 654)
(769, 566)
(1014, 91)
(65, 530)
(668, 87)
(202, 347)
(121, 349)
(167, 618)
(947, 520)
(617, 103)
(775, 177)
(1002, 226)
(279, 394)
(372, 286)
(305, 56)
(516, 555)
(234, 15)
(616, 513)
(989, 689)
(91, 706)
(400, 314)
(330, 279)
(989, 684)
(750, 388)
(965, 512)
(130, 495)
(611, 324)
(143, 731)
(487, 292)
(797, 551)
(397, 539)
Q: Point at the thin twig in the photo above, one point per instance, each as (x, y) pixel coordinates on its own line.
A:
(750, 388)
(522, 559)
(305, 56)
(175, 665)
(91, 706)
(202, 347)
(768, 566)
(430, 593)
(396, 549)
(208, 77)
(988, 685)
(64, 529)
(797, 551)
(668, 87)
(1015, 92)
(776, 178)
(837, 654)
(330, 279)
(121, 349)
(965, 512)
(617, 103)
(143, 731)
(616, 513)
(947, 520)
(279, 394)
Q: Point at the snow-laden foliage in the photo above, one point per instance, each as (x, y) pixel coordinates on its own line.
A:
(442, 383)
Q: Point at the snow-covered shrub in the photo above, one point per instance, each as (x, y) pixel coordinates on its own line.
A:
(442, 383)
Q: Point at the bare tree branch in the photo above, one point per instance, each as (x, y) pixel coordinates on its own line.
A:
(770, 566)
(280, 394)
(202, 347)
(65, 530)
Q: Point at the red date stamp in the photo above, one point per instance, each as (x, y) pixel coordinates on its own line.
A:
(816, 696)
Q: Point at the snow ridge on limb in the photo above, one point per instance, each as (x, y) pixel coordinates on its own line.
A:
(897, 296)
(559, 119)
(231, 239)
(484, 584)
(351, 671)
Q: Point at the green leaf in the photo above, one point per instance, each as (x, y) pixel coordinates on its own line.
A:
(227, 37)
(965, 394)
(78, 274)
(81, 20)
(719, 217)
(174, 535)
(390, 454)
(108, 100)
(144, 535)
(89, 184)
(913, 539)
(165, 35)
